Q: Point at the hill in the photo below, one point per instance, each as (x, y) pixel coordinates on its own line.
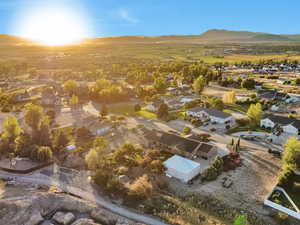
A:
(245, 36)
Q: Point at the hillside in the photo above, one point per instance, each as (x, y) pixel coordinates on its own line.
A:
(245, 36)
(6, 39)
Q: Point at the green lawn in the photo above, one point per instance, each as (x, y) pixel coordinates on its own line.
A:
(147, 114)
(241, 129)
(128, 110)
(122, 109)
(236, 108)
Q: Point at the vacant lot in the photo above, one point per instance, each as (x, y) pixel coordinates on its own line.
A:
(250, 185)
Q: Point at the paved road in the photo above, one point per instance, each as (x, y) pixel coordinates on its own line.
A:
(88, 193)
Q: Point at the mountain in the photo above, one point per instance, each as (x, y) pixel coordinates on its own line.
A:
(6, 39)
(246, 36)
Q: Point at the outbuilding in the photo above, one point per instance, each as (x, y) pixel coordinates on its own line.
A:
(182, 168)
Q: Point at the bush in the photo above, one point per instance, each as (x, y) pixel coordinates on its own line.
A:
(83, 132)
(137, 107)
(141, 188)
(156, 166)
(187, 130)
(286, 178)
(242, 122)
(214, 170)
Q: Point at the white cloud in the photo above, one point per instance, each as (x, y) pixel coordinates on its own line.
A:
(125, 15)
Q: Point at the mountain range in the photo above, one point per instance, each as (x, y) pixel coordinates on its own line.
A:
(210, 36)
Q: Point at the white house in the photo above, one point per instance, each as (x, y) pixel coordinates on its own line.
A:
(211, 114)
(182, 168)
(292, 98)
(288, 125)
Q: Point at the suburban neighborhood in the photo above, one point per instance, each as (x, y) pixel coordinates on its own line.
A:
(147, 120)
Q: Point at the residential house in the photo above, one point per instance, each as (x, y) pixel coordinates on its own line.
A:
(211, 114)
(100, 128)
(281, 124)
(50, 98)
(272, 95)
(175, 144)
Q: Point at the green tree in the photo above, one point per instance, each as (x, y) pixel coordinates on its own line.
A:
(44, 132)
(74, 101)
(104, 110)
(163, 111)
(187, 130)
(199, 84)
(44, 153)
(291, 155)
(33, 116)
(248, 83)
(137, 107)
(160, 84)
(229, 97)
(71, 87)
(59, 141)
(254, 114)
(11, 128)
(23, 145)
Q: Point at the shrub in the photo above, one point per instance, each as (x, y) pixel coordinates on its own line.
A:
(187, 130)
(141, 188)
(286, 178)
(113, 185)
(156, 166)
(137, 107)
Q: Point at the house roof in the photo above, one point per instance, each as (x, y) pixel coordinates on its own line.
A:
(211, 111)
(284, 120)
(173, 140)
(181, 164)
(205, 147)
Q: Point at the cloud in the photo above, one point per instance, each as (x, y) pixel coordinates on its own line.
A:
(125, 15)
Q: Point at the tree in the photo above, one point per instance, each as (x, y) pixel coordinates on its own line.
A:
(187, 130)
(199, 84)
(44, 153)
(104, 110)
(51, 114)
(74, 101)
(71, 87)
(23, 145)
(59, 141)
(163, 111)
(33, 116)
(95, 156)
(229, 98)
(291, 155)
(11, 128)
(248, 83)
(254, 113)
(44, 132)
(141, 188)
(137, 107)
(160, 84)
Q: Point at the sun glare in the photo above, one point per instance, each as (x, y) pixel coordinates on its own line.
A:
(53, 27)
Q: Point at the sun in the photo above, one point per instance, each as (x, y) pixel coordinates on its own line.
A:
(53, 27)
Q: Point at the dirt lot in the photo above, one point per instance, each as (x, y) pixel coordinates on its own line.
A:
(251, 182)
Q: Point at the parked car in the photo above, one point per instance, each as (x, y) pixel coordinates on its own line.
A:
(275, 152)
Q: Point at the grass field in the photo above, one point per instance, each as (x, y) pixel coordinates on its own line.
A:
(128, 110)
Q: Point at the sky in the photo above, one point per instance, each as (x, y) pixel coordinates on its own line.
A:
(160, 17)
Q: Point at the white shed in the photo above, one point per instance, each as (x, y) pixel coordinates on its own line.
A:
(182, 168)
